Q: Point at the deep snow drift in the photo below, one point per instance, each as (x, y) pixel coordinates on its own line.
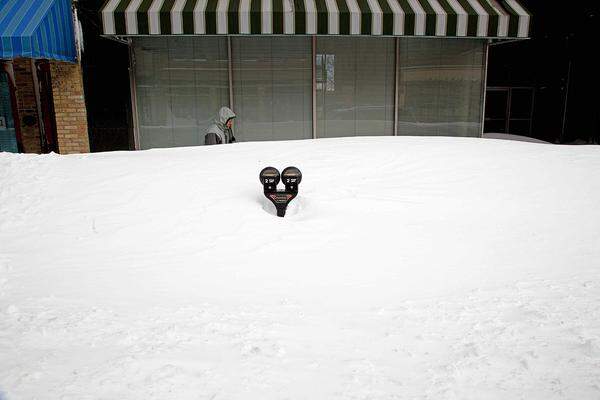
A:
(426, 268)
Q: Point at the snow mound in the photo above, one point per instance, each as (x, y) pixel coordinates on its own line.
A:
(508, 136)
(430, 268)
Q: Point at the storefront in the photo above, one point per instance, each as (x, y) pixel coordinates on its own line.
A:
(42, 107)
(309, 68)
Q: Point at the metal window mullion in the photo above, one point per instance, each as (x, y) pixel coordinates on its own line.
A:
(531, 113)
(396, 82)
(314, 86)
(508, 110)
(566, 103)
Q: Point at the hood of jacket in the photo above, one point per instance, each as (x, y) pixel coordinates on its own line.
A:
(225, 114)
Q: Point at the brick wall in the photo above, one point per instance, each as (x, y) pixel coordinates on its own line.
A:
(26, 106)
(69, 108)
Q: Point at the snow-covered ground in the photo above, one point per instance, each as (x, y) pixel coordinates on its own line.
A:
(408, 268)
(508, 136)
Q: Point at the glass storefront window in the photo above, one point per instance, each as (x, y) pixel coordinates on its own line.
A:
(355, 86)
(272, 88)
(440, 87)
(181, 83)
(8, 138)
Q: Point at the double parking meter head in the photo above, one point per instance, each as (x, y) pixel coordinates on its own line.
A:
(270, 177)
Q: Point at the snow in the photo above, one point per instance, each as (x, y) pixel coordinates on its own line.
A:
(508, 136)
(407, 268)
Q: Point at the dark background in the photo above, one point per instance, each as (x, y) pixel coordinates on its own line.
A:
(564, 36)
(105, 65)
(558, 68)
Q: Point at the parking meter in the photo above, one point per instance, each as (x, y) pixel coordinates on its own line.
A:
(270, 177)
(291, 177)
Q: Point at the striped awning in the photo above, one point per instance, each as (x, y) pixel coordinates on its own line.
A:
(456, 18)
(37, 29)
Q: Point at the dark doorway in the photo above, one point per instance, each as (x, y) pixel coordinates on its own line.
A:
(560, 66)
(105, 66)
(509, 110)
(48, 123)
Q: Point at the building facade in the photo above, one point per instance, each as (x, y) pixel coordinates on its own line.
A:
(42, 105)
(309, 69)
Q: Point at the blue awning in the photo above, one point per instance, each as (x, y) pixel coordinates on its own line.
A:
(37, 29)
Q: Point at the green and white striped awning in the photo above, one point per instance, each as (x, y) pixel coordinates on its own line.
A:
(455, 18)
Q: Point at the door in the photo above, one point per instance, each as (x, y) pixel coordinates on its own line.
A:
(8, 134)
(49, 140)
(509, 110)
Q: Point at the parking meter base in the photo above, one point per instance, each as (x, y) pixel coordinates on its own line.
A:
(280, 200)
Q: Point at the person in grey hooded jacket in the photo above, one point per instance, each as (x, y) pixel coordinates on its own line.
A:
(220, 132)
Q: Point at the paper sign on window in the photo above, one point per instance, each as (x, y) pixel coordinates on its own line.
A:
(330, 68)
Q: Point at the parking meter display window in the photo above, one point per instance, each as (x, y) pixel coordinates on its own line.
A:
(291, 177)
(269, 177)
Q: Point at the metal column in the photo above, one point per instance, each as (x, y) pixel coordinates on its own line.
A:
(230, 72)
(484, 90)
(396, 83)
(314, 87)
(132, 88)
